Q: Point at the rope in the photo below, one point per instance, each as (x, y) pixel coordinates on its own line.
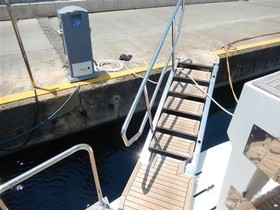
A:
(229, 76)
(199, 88)
(252, 37)
(228, 47)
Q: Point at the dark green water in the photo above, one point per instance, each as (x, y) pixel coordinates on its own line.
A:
(69, 184)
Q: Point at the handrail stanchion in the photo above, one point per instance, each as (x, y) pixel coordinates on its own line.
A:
(142, 88)
(148, 107)
(3, 205)
(173, 45)
(95, 174)
(18, 179)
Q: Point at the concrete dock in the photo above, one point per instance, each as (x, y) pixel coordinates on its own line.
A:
(206, 27)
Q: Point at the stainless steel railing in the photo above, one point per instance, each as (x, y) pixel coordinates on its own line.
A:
(143, 88)
(15, 181)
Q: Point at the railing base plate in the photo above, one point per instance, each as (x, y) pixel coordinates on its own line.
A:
(97, 206)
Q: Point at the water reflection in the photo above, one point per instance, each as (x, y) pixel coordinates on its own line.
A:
(69, 184)
(264, 151)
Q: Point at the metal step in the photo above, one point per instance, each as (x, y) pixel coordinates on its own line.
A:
(186, 89)
(172, 146)
(196, 66)
(183, 106)
(198, 76)
(180, 125)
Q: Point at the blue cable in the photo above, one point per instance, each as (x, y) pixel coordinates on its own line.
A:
(43, 122)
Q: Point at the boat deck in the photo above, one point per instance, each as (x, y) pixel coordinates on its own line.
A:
(161, 184)
(268, 200)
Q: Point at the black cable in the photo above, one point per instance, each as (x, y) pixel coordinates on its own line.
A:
(94, 61)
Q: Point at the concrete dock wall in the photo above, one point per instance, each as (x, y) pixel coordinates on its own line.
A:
(104, 102)
(47, 9)
(251, 63)
(90, 106)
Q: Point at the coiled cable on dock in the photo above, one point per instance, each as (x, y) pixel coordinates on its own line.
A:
(118, 65)
(115, 66)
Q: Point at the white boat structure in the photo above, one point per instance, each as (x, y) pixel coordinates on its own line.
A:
(172, 172)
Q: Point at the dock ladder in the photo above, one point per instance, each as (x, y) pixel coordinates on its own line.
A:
(164, 176)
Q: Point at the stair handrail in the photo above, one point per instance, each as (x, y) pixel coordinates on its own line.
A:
(143, 87)
(22, 177)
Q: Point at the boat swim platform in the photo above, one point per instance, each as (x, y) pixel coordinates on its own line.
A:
(161, 184)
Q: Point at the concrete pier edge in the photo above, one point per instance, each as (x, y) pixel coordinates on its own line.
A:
(241, 49)
(63, 86)
(108, 98)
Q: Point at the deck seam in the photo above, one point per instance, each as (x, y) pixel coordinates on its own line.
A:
(164, 201)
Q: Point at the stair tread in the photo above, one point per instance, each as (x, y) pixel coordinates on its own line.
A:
(197, 75)
(184, 106)
(173, 145)
(178, 124)
(197, 66)
(187, 89)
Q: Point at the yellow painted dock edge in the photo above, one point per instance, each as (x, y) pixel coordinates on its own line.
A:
(63, 86)
(248, 47)
(67, 85)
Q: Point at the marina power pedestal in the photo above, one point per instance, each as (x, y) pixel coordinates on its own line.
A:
(75, 30)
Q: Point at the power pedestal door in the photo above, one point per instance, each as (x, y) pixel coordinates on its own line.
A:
(75, 29)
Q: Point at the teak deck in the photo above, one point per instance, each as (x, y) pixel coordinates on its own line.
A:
(161, 184)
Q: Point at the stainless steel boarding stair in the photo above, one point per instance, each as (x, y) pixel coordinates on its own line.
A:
(164, 175)
(176, 133)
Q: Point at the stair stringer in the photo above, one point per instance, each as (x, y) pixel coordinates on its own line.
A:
(145, 154)
(192, 166)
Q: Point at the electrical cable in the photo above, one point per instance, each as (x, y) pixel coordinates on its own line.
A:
(149, 80)
(34, 124)
(199, 88)
(119, 65)
(41, 123)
